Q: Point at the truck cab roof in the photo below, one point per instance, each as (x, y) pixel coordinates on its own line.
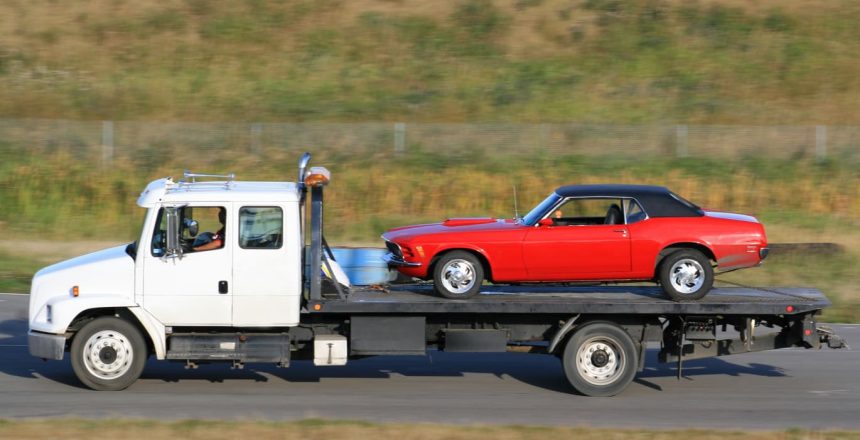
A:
(169, 191)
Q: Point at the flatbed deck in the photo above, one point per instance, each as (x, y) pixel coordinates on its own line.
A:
(630, 300)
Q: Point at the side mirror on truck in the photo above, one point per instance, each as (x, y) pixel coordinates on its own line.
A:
(173, 248)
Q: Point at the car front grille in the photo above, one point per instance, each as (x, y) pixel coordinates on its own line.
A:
(394, 249)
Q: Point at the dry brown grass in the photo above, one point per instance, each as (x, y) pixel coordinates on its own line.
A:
(325, 430)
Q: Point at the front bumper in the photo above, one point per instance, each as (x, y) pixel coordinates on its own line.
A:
(46, 345)
(398, 261)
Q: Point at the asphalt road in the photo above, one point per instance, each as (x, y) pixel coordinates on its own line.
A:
(768, 390)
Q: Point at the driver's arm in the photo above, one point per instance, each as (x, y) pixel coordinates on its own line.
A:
(214, 244)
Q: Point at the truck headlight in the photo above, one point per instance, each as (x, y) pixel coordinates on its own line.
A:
(50, 314)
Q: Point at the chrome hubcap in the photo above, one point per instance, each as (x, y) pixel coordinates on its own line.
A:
(687, 276)
(599, 361)
(108, 354)
(458, 276)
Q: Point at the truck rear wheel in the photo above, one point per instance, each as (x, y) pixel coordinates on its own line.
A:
(108, 354)
(600, 359)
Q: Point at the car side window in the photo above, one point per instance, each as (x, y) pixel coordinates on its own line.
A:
(634, 212)
(588, 211)
(261, 227)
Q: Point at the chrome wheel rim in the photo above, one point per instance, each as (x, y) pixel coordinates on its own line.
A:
(599, 361)
(687, 276)
(108, 354)
(458, 276)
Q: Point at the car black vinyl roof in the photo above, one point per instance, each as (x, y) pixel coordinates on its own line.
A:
(657, 201)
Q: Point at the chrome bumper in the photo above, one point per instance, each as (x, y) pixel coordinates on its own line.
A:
(46, 345)
(395, 261)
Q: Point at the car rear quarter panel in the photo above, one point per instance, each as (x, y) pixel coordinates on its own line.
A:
(733, 243)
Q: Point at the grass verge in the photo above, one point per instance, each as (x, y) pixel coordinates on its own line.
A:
(16, 272)
(325, 429)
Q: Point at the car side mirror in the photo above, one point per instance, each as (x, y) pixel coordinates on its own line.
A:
(545, 222)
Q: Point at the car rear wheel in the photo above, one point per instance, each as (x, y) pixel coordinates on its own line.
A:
(458, 275)
(108, 354)
(686, 275)
(600, 359)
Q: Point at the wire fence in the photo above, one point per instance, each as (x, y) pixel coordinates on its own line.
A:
(140, 142)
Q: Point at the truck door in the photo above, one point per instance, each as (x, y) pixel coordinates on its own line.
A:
(196, 288)
(266, 265)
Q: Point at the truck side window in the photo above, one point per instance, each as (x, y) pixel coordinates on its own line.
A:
(207, 220)
(261, 227)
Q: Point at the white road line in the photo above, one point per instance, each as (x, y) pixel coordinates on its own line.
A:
(14, 293)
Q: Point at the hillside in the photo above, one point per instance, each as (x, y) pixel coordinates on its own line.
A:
(765, 62)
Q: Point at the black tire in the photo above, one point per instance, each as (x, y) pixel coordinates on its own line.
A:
(118, 363)
(600, 359)
(456, 267)
(671, 276)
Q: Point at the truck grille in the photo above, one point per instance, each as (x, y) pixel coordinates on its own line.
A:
(394, 249)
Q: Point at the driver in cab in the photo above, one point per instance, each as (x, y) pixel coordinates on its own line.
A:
(217, 241)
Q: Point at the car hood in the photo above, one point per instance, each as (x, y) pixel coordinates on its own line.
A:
(731, 216)
(109, 271)
(454, 225)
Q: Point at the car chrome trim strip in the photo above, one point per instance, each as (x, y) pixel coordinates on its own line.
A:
(394, 260)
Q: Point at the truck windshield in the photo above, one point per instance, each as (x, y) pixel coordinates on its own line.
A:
(541, 209)
(131, 249)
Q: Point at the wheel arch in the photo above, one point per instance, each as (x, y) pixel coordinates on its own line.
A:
(669, 249)
(479, 254)
(132, 315)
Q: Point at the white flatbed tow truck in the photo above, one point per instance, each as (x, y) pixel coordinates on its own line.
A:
(242, 295)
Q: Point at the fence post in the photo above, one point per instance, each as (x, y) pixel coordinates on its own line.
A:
(256, 133)
(681, 141)
(107, 142)
(821, 141)
(399, 137)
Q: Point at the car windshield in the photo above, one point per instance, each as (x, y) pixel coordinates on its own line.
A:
(541, 209)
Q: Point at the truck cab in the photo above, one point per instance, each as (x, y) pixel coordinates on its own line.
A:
(213, 253)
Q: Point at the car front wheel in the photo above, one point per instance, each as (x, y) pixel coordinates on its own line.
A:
(686, 275)
(458, 275)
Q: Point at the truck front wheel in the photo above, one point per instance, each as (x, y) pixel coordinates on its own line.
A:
(600, 359)
(108, 354)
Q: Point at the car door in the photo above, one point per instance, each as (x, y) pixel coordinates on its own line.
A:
(579, 245)
(193, 289)
(266, 266)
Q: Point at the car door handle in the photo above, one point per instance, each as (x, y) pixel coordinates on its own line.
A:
(222, 287)
(623, 231)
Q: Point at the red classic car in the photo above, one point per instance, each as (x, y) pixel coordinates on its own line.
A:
(600, 233)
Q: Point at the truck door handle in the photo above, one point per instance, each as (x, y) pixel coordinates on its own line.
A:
(222, 287)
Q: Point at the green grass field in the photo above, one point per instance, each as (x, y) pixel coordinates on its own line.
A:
(703, 61)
